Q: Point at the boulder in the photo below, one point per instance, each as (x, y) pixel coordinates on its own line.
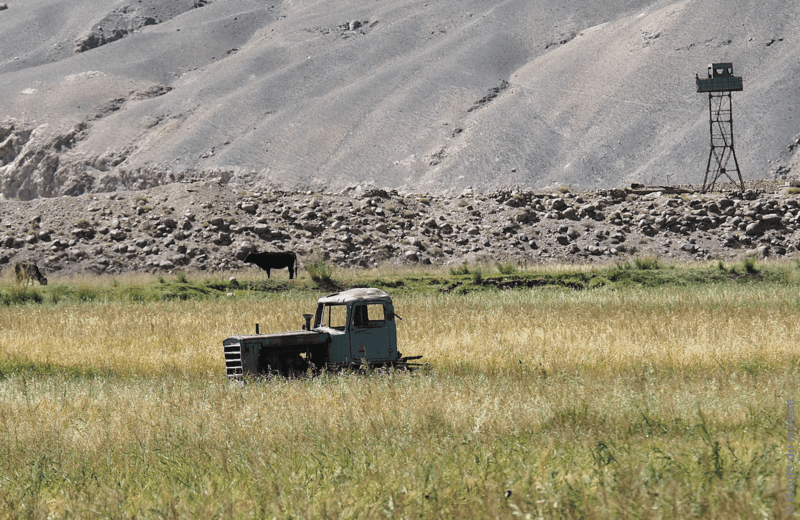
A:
(222, 239)
(82, 232)
(430, 223)
(573, 233)
(245, 248)
(169, 222)
(261, 229)
(526, 216)
(754, 229)
(313, 226)
(725, 203)
(179, 259)
(570, 213)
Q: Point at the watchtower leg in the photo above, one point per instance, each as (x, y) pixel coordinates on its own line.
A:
(720, 117)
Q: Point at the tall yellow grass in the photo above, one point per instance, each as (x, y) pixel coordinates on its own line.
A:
(698, 327)
(546, 329)
(631, 404)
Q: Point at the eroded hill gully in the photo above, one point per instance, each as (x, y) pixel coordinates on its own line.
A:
(126, 20)
(36, 160)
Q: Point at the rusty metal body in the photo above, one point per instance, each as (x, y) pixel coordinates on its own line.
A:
(352, 328)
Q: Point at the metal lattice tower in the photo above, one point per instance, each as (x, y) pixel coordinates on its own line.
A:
(719, 85)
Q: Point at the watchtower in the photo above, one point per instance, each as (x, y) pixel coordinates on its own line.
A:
(719, 85)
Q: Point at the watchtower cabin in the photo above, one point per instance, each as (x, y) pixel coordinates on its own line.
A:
(720, 79)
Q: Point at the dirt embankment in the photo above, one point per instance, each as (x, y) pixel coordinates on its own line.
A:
(208, 226)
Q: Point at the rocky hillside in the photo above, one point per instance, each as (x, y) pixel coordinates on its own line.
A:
(208, 226)
(113, 95)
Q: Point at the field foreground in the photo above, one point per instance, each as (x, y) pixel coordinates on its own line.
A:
(631, 403)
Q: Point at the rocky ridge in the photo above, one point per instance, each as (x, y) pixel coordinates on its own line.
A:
(206, 226)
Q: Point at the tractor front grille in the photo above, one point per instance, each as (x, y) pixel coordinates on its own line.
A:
(233, 360)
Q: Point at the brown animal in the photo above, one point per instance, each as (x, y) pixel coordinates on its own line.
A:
(28, 272)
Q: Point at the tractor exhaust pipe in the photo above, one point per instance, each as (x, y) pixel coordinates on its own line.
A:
(307, 317)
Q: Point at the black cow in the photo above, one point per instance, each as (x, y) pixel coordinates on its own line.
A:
(267, 261)
(29, 272)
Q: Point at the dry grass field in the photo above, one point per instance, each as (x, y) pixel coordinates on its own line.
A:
(634, 403)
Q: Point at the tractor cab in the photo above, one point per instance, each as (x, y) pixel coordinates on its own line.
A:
(361, 324)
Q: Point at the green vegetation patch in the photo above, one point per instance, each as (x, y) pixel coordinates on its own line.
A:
(21, 295)
(186, 291)
(646, 272)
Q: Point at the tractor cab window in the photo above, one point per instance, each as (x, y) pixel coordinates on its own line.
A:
(333, 316)
(365, 316)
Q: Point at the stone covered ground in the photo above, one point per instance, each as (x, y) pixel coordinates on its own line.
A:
(206, 226)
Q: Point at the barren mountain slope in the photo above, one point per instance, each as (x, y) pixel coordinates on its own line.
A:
(425, 96)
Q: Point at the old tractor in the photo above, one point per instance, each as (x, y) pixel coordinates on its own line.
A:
(351, 329)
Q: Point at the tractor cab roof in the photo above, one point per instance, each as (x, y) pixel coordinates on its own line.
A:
(354, 295)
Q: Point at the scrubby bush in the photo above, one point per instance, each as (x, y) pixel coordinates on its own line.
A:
(460, 270)
(21, 294)
(646, 263)
(85, 294)
(507, 268)
(477, 276)
(749, 264)
(319, 271)
(58, 293)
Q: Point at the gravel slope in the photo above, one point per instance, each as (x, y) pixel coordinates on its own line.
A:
(428, 96)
